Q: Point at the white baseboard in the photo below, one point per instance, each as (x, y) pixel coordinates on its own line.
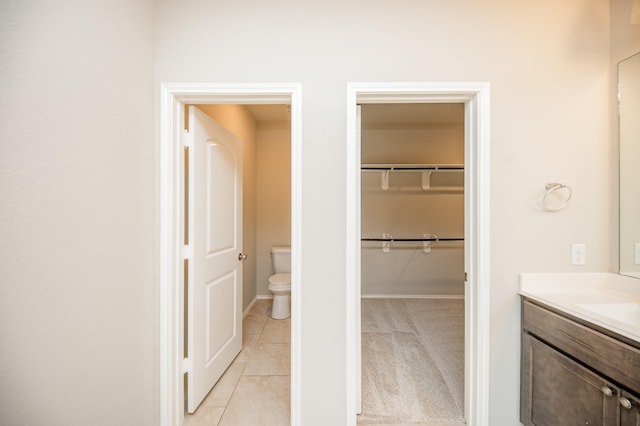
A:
(249, 306)
(253, 302)
(264, 297)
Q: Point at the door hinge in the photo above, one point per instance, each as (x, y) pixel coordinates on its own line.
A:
(187, 252)
(465, 277)
(187, 365)
(186, 139)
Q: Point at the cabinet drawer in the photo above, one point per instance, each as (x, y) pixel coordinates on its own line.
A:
(614, 359)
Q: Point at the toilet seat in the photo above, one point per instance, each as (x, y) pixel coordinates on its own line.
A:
(280, 282)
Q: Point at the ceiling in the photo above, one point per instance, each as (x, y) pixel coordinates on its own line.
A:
(270, 113)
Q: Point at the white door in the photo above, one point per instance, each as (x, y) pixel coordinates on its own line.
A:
(215, 266)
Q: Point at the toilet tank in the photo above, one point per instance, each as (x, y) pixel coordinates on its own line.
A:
(281, 259)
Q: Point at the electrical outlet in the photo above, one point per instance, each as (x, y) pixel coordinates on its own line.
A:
(637, 254)
(578, 254)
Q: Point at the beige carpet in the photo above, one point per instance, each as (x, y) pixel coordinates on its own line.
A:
(412, 361)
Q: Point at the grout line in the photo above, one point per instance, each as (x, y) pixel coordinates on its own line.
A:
(222, 416)
(250, 358)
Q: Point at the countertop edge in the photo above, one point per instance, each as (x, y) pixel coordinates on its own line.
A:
(565, 298)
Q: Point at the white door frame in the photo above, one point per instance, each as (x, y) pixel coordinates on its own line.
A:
(475, 96)
(173, 97)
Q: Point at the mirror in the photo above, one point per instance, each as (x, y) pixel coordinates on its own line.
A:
(629, 136)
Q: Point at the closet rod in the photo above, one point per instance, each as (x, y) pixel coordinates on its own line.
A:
(411, 239)
(411, 168)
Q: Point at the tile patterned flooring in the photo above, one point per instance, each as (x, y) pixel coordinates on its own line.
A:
(255, 389)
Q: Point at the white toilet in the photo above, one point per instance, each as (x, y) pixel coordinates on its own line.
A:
(280, 282)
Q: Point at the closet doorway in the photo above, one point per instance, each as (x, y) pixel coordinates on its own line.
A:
(412, 263)
(417, 211)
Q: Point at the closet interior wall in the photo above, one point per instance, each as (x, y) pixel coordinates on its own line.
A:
(412, 134)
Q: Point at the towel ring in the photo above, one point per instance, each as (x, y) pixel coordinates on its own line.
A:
(551, 187)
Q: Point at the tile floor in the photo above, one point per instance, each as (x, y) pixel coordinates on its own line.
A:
(255, 389)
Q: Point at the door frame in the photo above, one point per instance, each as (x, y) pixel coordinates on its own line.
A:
(475, 96)
(173, 97)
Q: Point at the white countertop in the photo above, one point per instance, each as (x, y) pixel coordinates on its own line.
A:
(608, 300)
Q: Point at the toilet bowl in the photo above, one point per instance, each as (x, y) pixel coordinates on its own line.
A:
(280, 282)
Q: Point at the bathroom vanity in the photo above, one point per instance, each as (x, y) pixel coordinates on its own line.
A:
(580, 350)
(580, 339)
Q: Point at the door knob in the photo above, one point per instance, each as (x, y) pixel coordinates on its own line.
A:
(625, 403)
(242, 256)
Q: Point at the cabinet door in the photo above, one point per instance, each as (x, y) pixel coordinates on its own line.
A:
(629, 409)
(558, 391)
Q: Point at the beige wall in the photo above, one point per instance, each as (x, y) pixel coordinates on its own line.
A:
(78, 316)
(238, 120)
(78, 214)
(548, 65)
(407, 211)
(273, 196)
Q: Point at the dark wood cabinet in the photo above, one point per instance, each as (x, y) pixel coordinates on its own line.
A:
(629, 409)
(559, 384)
(561, 391)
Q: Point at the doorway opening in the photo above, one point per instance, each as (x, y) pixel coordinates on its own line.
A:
(412, 263)
(219, 301)
(473, 98)
(222, 102)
